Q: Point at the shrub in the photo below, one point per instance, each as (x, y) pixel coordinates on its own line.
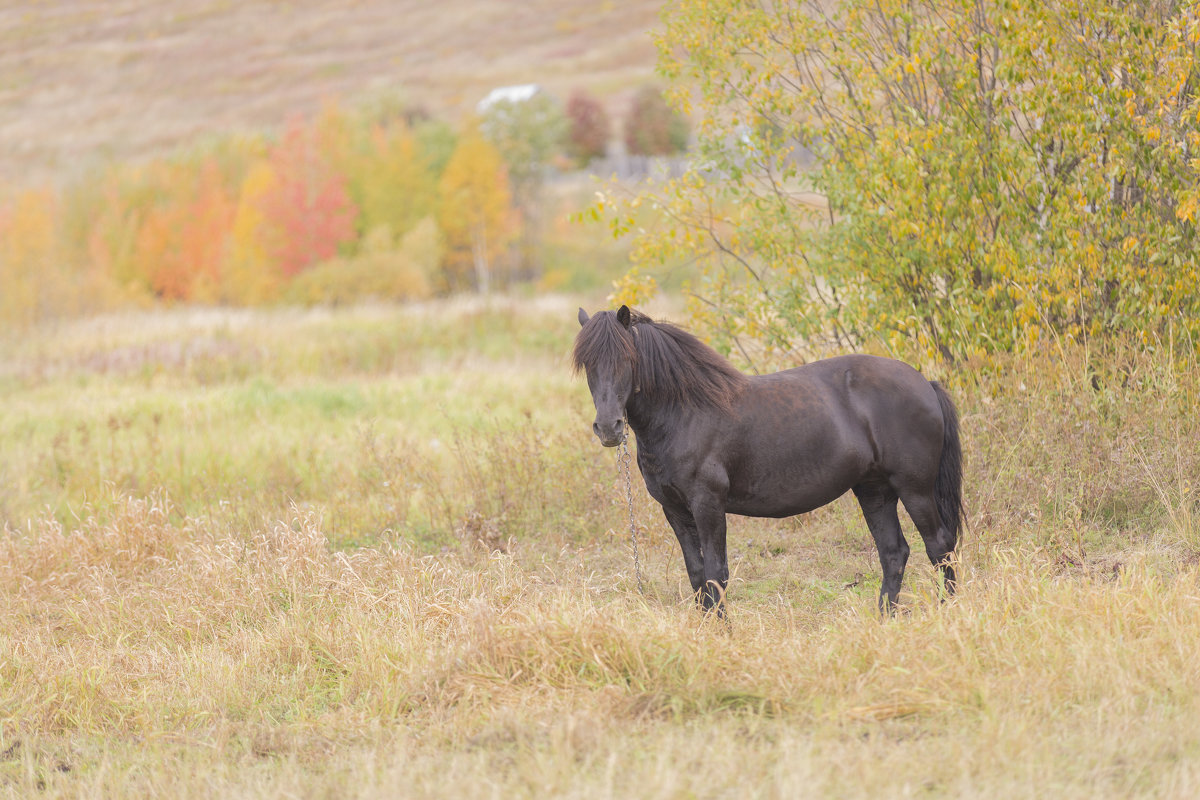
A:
(380, 271)
(653, 127)
(588, 127)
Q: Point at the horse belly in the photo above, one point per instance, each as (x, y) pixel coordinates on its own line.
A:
(787, 503)
(799, 484)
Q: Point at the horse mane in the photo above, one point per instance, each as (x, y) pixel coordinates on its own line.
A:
(603, 344)
(670, 364)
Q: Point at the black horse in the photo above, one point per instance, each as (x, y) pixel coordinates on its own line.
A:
(712, 441)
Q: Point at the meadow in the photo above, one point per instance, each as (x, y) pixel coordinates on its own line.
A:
(376, 551)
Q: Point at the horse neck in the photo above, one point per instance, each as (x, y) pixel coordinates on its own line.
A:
(654, 415)
(651, 419)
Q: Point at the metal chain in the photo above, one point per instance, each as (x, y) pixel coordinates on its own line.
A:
(624, 460)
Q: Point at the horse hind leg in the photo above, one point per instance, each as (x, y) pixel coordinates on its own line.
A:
(879, 508)
(940, 541)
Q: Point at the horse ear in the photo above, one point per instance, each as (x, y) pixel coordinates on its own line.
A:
(583, 317)
(623, 315)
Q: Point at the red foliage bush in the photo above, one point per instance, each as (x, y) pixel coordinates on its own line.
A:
(309, 204)
(588, 127)
(653, 127)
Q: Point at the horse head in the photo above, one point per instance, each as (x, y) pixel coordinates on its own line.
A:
(606, 352)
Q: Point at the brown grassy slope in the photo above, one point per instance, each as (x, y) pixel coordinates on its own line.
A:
(84, 79)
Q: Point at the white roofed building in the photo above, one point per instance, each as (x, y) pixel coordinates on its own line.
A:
(508, 94)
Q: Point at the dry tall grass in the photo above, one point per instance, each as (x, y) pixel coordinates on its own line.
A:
(143, 656)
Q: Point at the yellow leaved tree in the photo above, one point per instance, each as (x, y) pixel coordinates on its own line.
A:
(253, 276)
(474, 213)
(942, 178)
(28, 270)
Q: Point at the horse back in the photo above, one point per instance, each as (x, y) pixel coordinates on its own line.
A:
(806, 435)
(883, 400)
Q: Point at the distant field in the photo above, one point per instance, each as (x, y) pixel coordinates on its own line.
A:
(83, 80)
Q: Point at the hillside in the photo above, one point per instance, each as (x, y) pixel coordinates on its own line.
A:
(82, 81)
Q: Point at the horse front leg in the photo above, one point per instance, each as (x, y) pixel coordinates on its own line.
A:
(684, 525)
(710, 525)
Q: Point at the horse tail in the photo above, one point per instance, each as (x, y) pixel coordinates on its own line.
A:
(947, 487)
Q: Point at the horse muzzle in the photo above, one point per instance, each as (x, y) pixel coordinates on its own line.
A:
(611, 434)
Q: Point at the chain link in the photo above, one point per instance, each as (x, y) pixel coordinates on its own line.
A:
(624, 464)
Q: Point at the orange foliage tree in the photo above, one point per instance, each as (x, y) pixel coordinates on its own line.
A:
(182, 240)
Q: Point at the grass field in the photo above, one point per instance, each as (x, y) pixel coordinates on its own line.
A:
(378, 552)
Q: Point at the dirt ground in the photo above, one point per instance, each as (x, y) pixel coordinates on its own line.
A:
(86, 80)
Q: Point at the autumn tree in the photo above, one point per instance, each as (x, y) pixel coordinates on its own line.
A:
(252, 275)
(27, 249)
(108, 224)
(653, 128)
(528, 134)
(380, 270)
(436, 141)
(984, 174)
(392, 181)
(308, 204)
(588, 127)
(474, 211)
(182, 240)
(41, 276)
(204, 234)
